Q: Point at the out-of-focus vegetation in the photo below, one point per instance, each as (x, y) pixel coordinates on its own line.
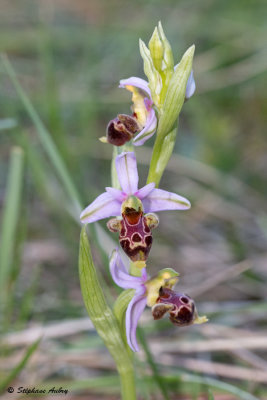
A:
(69, 57)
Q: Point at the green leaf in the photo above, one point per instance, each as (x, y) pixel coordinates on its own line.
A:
(14, 373)
(103, 318)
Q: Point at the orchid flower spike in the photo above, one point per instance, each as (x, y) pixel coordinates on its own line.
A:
(112, 201)
(151, 292)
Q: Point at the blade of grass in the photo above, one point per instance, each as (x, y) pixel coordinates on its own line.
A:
(156, 375)
(45, 137)
(51, 150)
(6, 382)
(226, 387)
(10, 218)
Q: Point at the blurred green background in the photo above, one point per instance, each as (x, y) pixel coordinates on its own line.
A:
(69, 57)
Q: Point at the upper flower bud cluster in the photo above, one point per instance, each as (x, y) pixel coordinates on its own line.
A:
(158, 100)
(158, 64)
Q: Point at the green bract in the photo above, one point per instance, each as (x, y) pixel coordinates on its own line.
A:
(153, 76)
(161, 54)
(175, 95)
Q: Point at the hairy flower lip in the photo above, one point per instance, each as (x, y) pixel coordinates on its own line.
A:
(108, 204)
(122, 129)
(181, 308)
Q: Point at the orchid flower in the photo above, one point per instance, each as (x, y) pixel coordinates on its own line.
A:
(142, 108)
(142, 105)
(180, 306)
(112, 201)
(156, 293)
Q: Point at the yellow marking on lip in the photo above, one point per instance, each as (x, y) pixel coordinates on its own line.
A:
(138, 107)
(140, 264)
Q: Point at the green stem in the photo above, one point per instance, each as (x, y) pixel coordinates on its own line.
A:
(161, 154)
(128, 391)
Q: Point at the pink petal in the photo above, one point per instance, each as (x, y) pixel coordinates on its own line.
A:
(133, 314)
(116, 194)
(148, 103)
(148, 130)
(137, 82)
(104, 206)
(120, 274)
(144, 191)
(190, 86)
(127, 172)
(159, 200)
(144, 275)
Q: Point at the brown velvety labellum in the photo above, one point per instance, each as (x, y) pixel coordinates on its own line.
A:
(129, 122)
(135, 235)
(121, 129)
(180, 306)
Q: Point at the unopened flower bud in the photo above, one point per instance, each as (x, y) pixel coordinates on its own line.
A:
(156, 49)
(122, 129)
(154, 78)
(168, 56)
